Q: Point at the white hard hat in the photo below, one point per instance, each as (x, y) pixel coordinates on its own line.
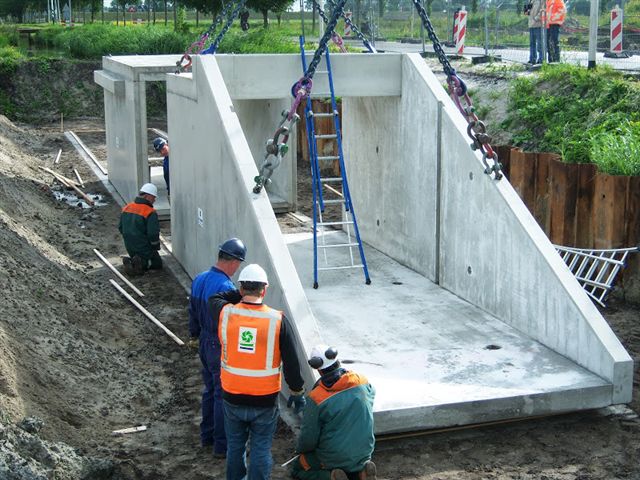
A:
(149, 188)
(323, 356)
(253, 273)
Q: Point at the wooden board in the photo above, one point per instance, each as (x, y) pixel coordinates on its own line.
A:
(522, 165)
(609, 209)
(584, 206)
(563, 187)
(504, 154)
(541, 210)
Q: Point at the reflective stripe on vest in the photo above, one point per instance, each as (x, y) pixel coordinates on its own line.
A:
(241, 349)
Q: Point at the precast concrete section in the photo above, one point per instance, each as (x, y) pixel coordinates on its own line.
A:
(471, 316)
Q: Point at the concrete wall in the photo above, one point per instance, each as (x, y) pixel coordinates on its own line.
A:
(491, 251)
(215, 174)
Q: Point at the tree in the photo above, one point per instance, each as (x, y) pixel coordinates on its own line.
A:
(263, 6)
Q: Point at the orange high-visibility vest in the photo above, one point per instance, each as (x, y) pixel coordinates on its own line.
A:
(556, 12)
(250, 339)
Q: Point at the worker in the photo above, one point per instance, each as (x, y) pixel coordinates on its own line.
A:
(336, 437)
(556, 12)
(257, 344)
(218, 279)
(161, 146)
(140, 231)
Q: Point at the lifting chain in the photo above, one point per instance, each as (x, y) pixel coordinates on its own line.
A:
(216, 43)
(337, 39)
(300, 91)
(197, 46)
(354, 29)
(476, 129)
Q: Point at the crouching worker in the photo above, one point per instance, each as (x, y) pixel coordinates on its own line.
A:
(336, 438)
(140, 230)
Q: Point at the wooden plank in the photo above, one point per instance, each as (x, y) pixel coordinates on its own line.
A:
(541, 196)
(66, 181)
(118, 274)
(146, 312)
(584, 206)
(75, 172)
(609, 208)
(521, 169)
(633, 213)
(55, 162)
(124, 431)
(504, 154)
(563, 186)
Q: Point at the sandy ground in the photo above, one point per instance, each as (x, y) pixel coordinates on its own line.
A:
(77, 356)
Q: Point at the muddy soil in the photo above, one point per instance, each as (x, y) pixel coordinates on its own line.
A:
(80, 361)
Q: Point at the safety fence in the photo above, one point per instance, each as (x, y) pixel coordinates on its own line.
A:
(577, 206)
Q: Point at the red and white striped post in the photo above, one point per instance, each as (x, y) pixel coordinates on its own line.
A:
(460, 30)
(347, 27)
(616, 30)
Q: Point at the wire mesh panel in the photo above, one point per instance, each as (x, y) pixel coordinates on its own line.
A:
(595, 270)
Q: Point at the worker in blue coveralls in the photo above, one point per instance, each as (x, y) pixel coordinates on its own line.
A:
(218, 279)
(161, 146)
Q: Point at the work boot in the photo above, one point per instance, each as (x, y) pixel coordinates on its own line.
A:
(369, 471)
(337, 474)
(137, 265)
(128, 266)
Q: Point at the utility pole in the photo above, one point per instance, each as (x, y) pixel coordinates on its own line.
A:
(593, 33)
(320, 21)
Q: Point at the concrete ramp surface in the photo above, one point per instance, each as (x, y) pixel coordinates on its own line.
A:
(471, 315)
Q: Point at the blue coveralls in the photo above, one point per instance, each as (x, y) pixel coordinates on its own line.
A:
(165, 173)
(201, 324)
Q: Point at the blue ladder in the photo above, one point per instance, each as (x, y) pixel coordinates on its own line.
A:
(319, 202)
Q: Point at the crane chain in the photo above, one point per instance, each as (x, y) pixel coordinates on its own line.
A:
(355, 29)
(236, 11)
(322, 45)
(458, 92)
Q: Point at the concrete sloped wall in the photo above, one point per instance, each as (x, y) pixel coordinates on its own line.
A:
(491, 251)
(391, 154)
(213, 170)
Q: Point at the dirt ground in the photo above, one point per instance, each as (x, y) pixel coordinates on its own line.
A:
(78, 361)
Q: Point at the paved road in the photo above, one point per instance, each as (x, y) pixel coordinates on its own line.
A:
(514, 55)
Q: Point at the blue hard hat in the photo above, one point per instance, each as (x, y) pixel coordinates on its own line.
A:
(158, 143)
(235, 248)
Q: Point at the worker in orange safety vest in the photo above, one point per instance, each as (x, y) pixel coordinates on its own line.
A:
(257, 343)
(556, 12)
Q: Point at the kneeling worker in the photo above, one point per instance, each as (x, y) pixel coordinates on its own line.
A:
(140, 230)
(336, 437)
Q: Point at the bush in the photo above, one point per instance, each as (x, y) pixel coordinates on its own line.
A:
(569, 109)
(258, 40)
(617, 152)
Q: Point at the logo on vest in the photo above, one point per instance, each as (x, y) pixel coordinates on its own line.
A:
(247, 340)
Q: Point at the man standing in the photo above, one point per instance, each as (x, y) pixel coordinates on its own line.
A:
(336, 438)
(140, 230)
(556, 12)
(161, 146)
(218, 279)
(257, 344)
(534, 11)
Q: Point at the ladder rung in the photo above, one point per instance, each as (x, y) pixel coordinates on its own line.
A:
(330, 157)
(340, 268)
(322, 71)
(347, 222)
(339, 245)
(328, 202)
(332, 135)
(331, 179)
(323, 114)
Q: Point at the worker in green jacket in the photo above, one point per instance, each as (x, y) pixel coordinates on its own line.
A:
(140, 230)
(336, 438)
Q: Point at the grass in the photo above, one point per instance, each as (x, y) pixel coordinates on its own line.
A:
(588, 116)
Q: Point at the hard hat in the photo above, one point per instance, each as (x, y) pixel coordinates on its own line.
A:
(149, 188)
(158, 143)
(253, 273)
(235, 248)
(323, 356)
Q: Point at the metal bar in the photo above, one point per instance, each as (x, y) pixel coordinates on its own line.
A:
(340, 245)
(341, 268)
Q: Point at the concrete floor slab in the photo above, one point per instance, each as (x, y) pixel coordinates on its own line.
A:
(428, 351)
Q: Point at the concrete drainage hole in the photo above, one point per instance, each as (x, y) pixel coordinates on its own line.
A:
(492, 347)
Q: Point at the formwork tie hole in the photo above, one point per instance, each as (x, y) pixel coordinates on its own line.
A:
(492, 347)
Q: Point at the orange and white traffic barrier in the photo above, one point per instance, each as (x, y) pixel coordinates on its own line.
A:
(347, 26)
(460, 30)
(616, 30)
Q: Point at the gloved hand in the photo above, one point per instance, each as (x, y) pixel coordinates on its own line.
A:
(297, 400)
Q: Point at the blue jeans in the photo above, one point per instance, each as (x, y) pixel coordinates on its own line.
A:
(212, 425)
(553, 42)
(535, 45)
(258, 424)
(165, 173)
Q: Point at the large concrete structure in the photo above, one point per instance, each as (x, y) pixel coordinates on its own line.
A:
(471, 316)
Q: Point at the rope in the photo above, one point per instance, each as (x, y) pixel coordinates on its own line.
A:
(476, 129)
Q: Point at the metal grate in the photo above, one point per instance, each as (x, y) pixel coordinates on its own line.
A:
(595, 270)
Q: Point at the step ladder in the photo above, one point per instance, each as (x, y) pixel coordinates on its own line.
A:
(321, 241)
(595, 270)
